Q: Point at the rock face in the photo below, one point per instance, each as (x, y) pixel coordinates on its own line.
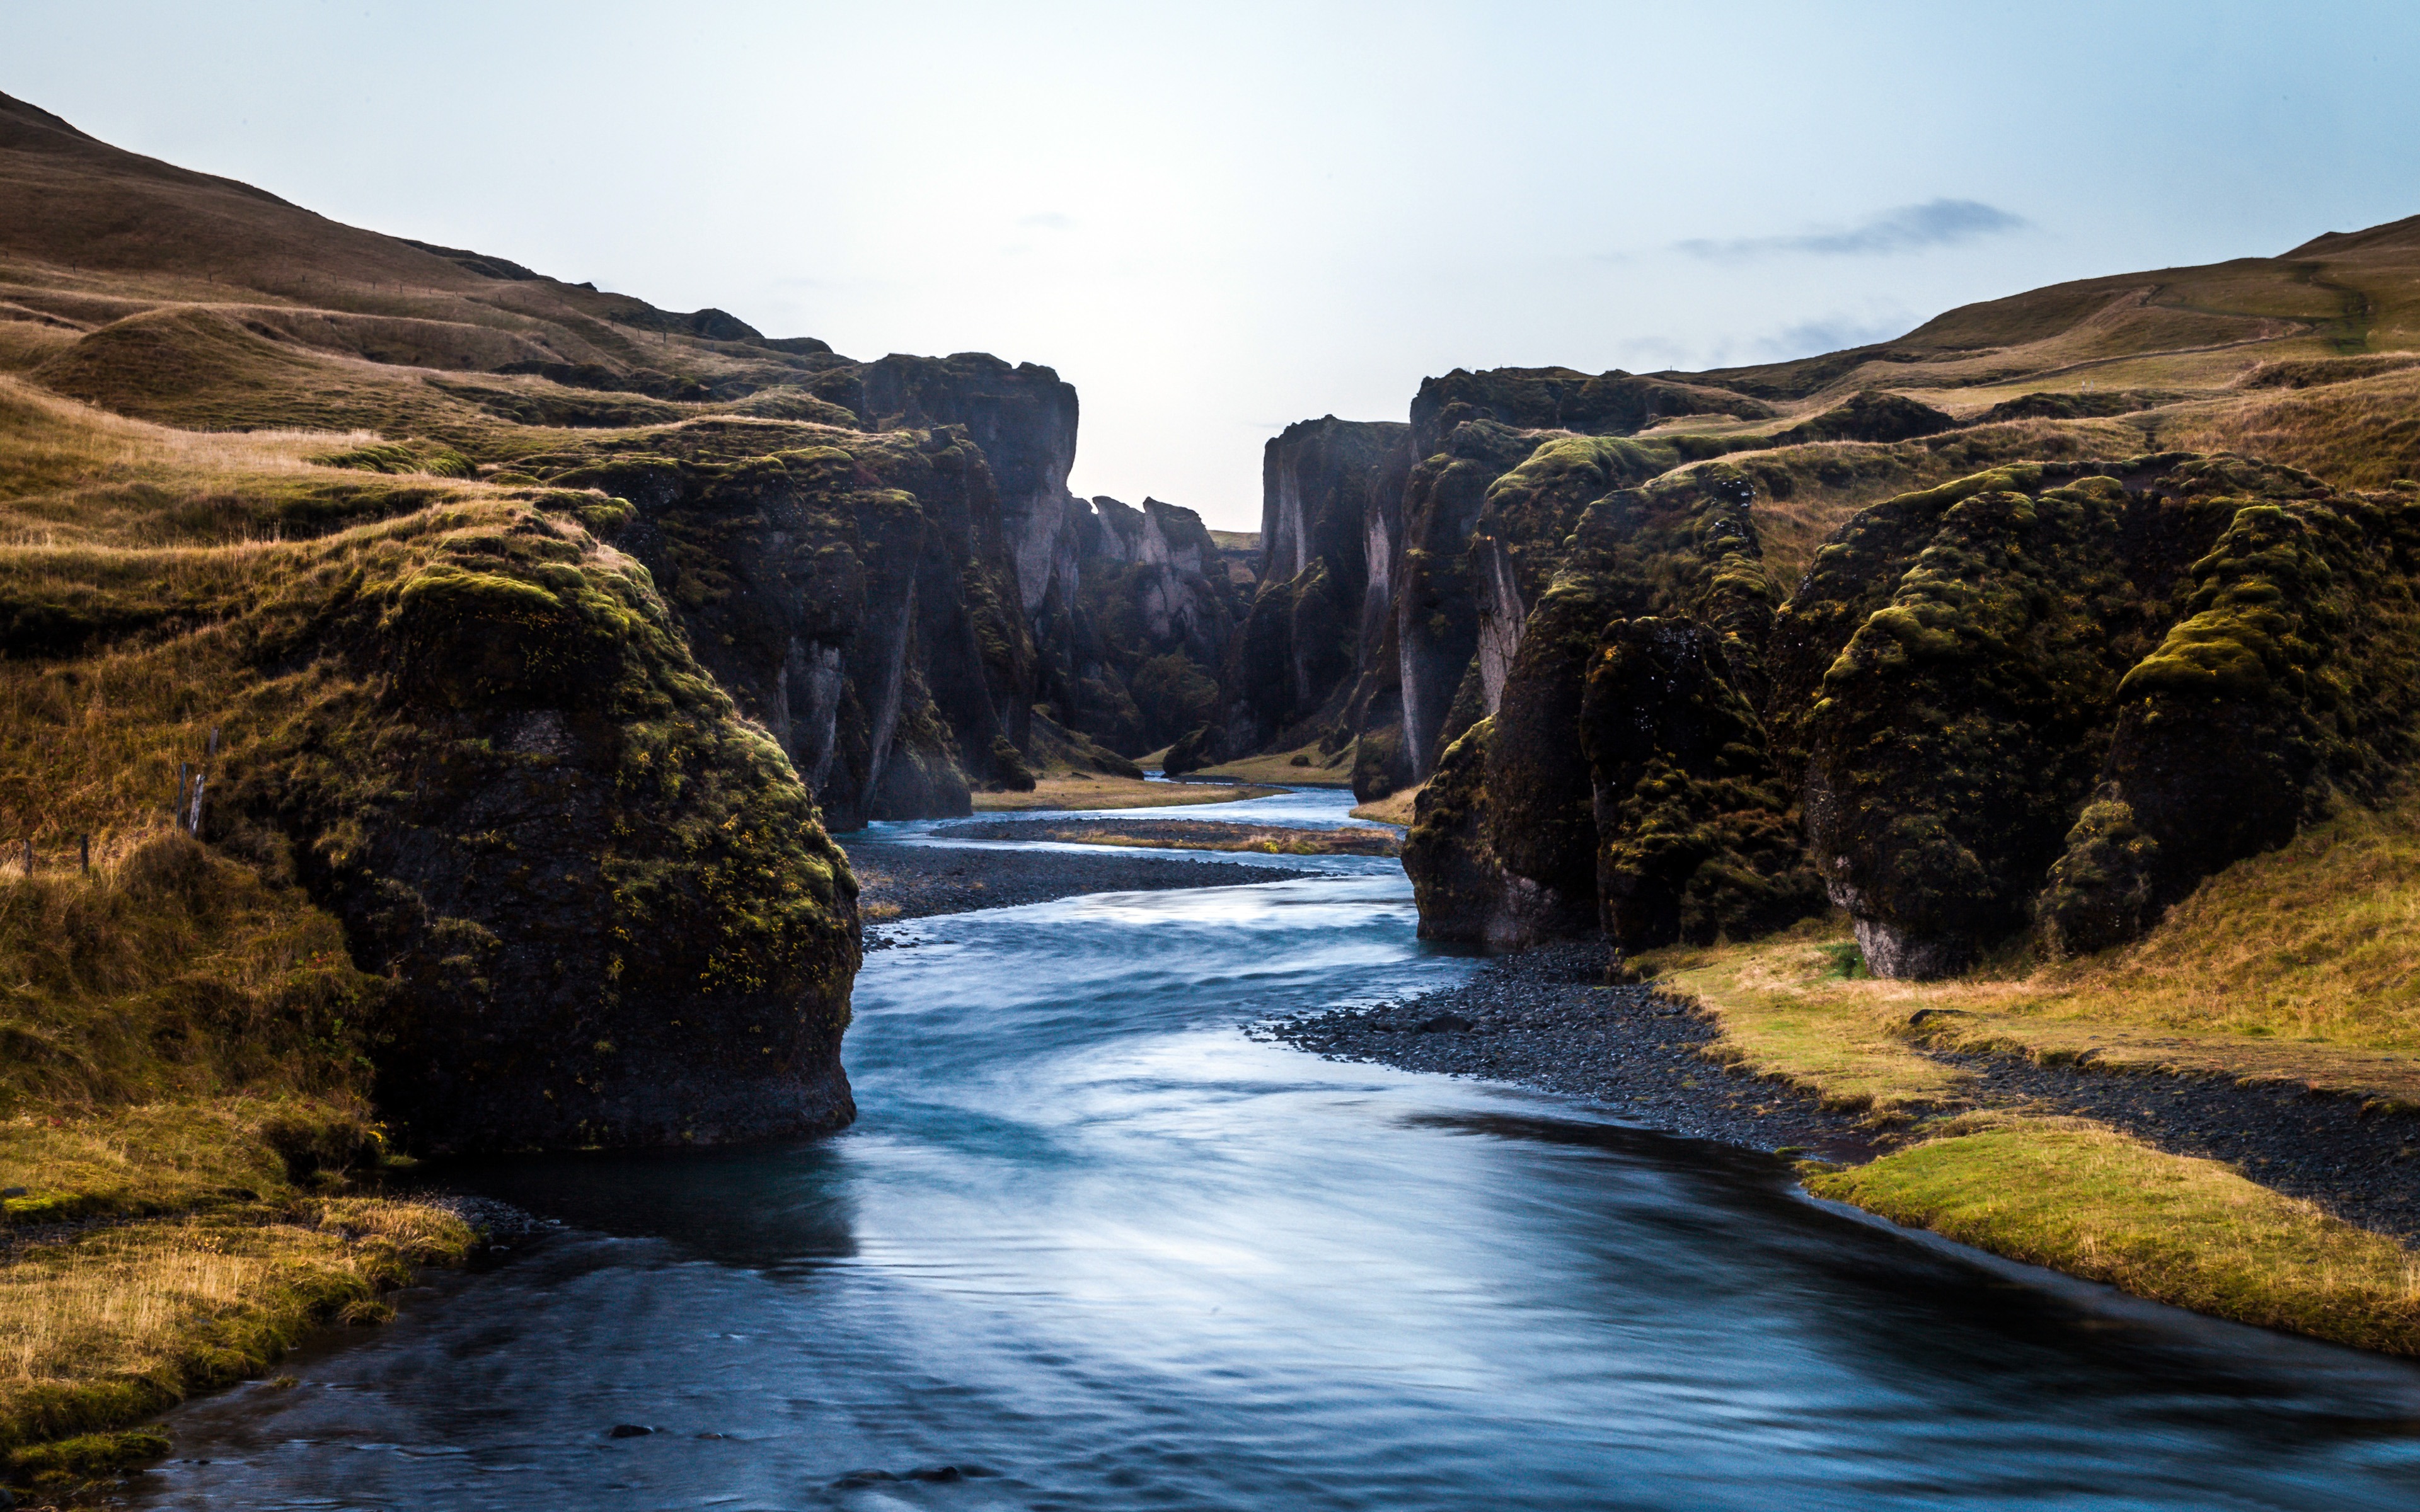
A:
(1627, 780)
(1152, 615)
(1331, 519)
(1021, 418)
(2047, 695)
(603, 907)
(854, 591)
(1128, 612)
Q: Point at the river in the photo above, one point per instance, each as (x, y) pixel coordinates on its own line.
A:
(1092, 1246)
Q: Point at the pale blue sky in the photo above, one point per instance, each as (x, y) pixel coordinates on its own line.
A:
(1215, 219)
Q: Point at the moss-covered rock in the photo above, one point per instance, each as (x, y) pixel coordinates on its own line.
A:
(1973, 740)
(603, 903)
(854, 593)
(1957, 733)
(1688, 551)
(1696, 831)
(1462, 890)
(1869, 415)
(2288, 678)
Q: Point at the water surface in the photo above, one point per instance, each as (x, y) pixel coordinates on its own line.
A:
(1090, 1240)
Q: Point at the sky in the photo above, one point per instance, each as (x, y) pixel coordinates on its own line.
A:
(1216, 220)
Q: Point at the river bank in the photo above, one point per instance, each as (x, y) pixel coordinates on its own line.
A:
(2273, 1200)
(1547, 1019)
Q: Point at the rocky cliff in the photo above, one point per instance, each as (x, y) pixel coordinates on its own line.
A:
(1139, 652)
(1690, 656)
(2044, 698)
(550, 693)
(1332, 523)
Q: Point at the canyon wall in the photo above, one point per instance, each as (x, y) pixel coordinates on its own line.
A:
(1981, 695)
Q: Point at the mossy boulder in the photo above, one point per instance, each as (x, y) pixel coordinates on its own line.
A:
(2290, 677)
(602, 903)
(1696, 832)
(1462, 890)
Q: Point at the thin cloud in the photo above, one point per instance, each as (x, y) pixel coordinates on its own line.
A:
(1048, 221)
(1939, 223)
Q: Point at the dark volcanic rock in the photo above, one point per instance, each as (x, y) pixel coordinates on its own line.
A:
(1331, 502)
(1546, 1018)
(602, 903)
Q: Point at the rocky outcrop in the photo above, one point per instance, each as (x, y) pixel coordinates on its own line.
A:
(2287, 678)
(854, 591)
(2049, 696)
(1627, 780)
(1152, 615)
(1331, 501)
(1021, 417)
(1128, 610)
(600, 902)
(1870, 415)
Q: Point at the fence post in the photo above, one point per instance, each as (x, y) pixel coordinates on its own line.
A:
(29, 860)
(196, 827)
(214, 742)
(83, 853)
(184, 780)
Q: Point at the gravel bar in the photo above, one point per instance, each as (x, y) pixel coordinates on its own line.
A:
(1545, 1019)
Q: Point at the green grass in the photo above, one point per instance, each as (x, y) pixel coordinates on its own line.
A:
(2091, 1202)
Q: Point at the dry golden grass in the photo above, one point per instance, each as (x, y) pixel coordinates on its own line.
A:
(117, 1322)
(2301, 965)
(2363, 433)
(1305, 766)
(1788, 1011)
(178, 1034)
(2091, 1202)
(1394, 808)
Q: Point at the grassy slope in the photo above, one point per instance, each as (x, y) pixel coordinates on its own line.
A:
(1304, 766)
(2298, 966)
(183, 1063)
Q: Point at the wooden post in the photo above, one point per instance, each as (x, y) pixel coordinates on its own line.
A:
(83, 853)
(214, 742)
(29, 860)
(196, 827)
(184, 782)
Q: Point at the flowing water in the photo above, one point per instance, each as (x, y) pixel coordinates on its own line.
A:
(1093, 1247)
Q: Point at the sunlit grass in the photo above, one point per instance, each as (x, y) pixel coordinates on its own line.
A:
(2092, 1202)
